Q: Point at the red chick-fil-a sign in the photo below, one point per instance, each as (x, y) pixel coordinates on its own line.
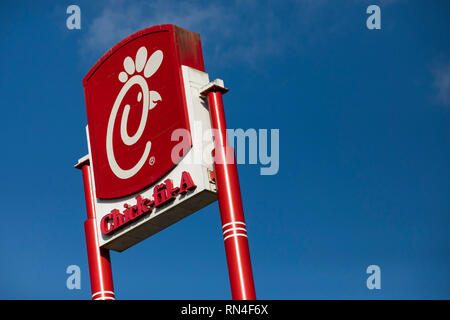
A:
(139, 96)
(151, 109)
(134, 101)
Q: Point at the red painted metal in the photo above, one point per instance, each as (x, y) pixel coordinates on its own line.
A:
(230, 202)
(110, 89)
(98, 258)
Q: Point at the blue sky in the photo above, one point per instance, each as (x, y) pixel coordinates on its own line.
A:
(364, 149)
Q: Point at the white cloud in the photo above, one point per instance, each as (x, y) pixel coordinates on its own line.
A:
(441, 83)
(119, 19)
(241, 30)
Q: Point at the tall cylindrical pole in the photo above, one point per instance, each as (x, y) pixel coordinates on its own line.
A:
(230, 202)
(98, 259)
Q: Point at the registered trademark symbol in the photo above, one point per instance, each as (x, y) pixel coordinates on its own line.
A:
(152, 160)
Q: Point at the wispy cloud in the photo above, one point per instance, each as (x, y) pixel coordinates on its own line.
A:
(119, 19)
(244, 29)
(441, 83)
(236, 30)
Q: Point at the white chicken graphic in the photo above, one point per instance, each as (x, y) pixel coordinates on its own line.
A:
(136, 72)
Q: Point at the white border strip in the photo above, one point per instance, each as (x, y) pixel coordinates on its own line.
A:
(234, 228)
(103, 292)
(105, 298)
(227, 224)
(235, 235)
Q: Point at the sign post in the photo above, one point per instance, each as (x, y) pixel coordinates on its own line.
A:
(98, 259)
(229, 197)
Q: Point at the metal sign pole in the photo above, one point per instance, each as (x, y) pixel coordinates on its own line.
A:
(229, 197)
(98, 259)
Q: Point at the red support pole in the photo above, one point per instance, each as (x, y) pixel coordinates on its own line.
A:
(98, 258)
(230, 202)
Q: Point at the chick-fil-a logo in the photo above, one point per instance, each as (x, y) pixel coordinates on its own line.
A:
(163, 194)
(135, 99)
(136, 72)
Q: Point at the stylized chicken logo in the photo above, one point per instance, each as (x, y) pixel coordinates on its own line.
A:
(136, 72)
